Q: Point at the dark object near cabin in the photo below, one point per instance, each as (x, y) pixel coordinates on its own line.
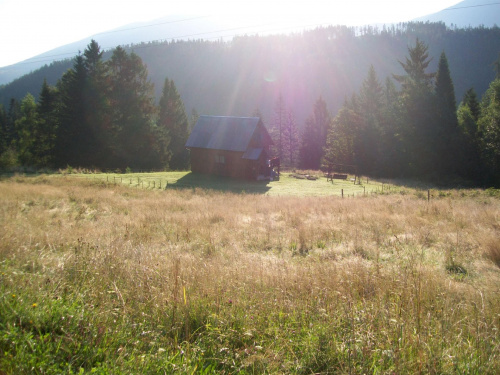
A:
(340, 176)
(230, 146)
(340, 172)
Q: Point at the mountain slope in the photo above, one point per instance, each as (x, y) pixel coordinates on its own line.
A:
(161, 29)
(184, 27)
(249, 73)
(173, 27)
(468, 13)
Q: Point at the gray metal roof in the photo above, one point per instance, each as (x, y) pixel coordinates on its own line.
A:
(223, 133)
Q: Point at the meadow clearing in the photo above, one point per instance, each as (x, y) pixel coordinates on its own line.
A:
(105, 276)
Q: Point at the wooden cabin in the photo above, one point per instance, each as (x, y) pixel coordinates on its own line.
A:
(230, 146)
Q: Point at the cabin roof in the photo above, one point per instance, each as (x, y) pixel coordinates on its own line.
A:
(225, 133)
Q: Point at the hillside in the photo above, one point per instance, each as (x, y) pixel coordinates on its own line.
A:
(468, 13)
(165, 28)
(249, 73)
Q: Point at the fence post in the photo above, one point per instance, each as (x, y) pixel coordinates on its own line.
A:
(342, 193)
(428, 195)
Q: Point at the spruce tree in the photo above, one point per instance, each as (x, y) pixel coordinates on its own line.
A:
(98, 132)
(489, 129)
(370, 110)
(471, 101)
(27, 130)
(173, 122)
(341, 141)
(48, 123)
(72, 131)
(391, 155)
(446, 138)
(132, 112)
(13, 114)
(418, 130)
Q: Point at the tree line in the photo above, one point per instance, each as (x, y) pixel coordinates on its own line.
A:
(235, 77)
(410, 126)
(100, 114)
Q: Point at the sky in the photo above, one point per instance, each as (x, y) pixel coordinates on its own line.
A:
(31, 27)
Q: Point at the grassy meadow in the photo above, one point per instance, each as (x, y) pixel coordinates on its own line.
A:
(113, 274)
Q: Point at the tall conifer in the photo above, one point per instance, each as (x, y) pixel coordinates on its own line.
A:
(418, 129)
(132, 111)
(446, 140)
(173, 123)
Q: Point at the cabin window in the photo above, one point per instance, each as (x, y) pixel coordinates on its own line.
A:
(220, 159)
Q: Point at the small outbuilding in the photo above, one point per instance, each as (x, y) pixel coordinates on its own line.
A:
(230, 146)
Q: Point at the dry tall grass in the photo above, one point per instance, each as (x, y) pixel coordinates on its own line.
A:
(251, 283)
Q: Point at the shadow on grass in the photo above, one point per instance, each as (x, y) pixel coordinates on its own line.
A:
(217, 183)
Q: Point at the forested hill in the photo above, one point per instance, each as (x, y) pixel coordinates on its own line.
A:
(250, 72)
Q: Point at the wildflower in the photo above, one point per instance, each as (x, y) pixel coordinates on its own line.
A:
(13, 296)
(34, 305)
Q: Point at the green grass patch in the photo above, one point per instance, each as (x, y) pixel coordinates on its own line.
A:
(287, 185)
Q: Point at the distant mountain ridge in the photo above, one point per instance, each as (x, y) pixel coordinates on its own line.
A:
(164, 28)
(468, 13)
(250, 72)
(183, 27)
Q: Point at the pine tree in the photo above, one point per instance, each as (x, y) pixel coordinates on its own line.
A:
(174, 123)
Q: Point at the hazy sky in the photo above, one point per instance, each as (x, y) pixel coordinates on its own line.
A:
(31, 27)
